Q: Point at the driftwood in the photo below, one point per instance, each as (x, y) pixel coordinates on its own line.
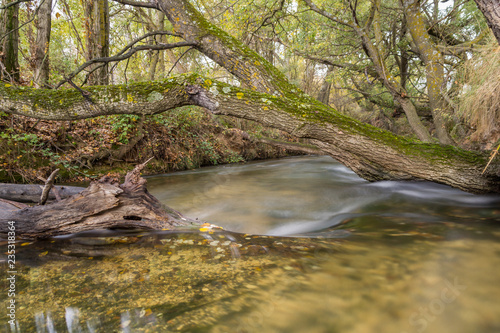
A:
(49, 183)
(33, 193)
(103, 205)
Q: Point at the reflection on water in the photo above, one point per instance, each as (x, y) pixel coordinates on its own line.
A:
(381, 257)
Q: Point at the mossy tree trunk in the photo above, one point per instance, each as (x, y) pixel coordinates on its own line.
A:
(97, 36)
(9, 44)
(434, 66)
(375, 51)
(372, 153)
(41, 57)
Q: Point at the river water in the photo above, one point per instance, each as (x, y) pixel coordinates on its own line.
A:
(317, 249)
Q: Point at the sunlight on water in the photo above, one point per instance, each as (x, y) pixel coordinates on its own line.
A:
(371, 257)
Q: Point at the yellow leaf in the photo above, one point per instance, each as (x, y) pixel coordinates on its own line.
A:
(43, 254)
(239, 95)
(8, 85)
(24, 244)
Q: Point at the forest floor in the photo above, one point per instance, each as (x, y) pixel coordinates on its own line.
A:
(186, 138)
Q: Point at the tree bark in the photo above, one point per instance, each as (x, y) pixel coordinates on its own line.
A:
(491, 10)
(32, 193)
(41, 58)
(372, 153)
(434, 67)
(9, 44)
(324, 92)
(97, 36)
(103, 205)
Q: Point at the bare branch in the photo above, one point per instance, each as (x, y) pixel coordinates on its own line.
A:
(123, 54)
(13, 4)
(48, 185)
(142, 4)
(178, 59)
(324, 13)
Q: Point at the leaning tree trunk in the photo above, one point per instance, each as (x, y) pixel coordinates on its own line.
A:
(372, 153)
(491, 10)
(103, 205)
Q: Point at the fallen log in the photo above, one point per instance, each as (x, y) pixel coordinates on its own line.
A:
(32, 193)
(103, 205)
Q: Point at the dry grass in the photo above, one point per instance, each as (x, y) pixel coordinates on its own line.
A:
(480, 100)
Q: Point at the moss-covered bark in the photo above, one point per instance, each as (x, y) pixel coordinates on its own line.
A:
(373, 153)
(434, 66)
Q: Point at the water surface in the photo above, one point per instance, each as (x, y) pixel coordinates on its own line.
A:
(345, 255)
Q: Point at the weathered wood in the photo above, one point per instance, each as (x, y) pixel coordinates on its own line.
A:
(32, 193)
(49, 183)
(7, 207)
(103, 205)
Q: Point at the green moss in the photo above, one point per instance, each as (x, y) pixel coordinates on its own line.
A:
(42, 98)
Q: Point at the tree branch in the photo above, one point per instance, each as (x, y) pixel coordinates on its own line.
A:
(150, 4)
(13, 4)
(123, 54)
(48, 185)
(324, 13)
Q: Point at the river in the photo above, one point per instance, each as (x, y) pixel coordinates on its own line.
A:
(316, 249)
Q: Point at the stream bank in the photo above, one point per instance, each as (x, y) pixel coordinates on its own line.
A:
(183, 139)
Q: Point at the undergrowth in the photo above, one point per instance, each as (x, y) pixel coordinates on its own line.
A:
(480, 99)
(182, 139)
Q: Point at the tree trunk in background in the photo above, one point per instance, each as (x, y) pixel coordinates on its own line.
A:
(324, 92)
(97, 36)
(491, 10)
(396, 90)
(434, 67)
(9, 44)
(43, 27)
(156, 57)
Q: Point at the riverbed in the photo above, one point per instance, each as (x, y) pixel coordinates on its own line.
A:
(304, 245)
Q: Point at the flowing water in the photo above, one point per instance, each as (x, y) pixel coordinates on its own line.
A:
(316, 249)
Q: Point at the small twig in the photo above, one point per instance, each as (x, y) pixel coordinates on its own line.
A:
(178, 59)
(495, 152)
(48, 185)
